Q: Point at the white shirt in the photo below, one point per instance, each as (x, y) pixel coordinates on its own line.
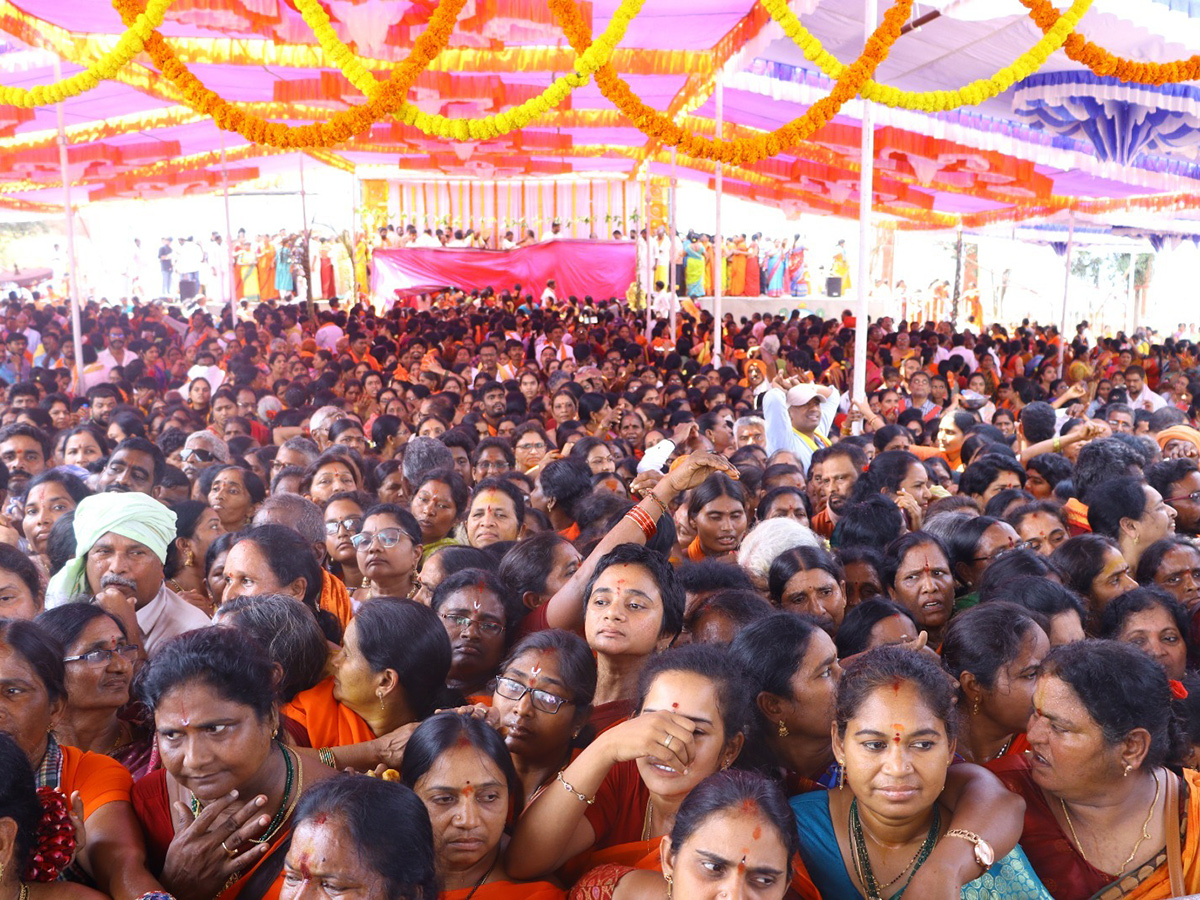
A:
(166, 616)
(1146, 396)
(108, 362)
(664, 302)
(189, 257)
(327, 337)
(426, 240)
(782, 436)
(551, 236)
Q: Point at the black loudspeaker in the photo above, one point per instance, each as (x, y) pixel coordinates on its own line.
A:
(833, 286)
(188, 289)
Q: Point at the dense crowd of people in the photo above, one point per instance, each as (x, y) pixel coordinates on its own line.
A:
(488, 601)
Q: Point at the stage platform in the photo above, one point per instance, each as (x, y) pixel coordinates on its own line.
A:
(818, 304)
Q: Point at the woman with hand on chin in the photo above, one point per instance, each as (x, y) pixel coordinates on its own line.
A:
(459, 767)
(1104, 811)
(620, 796)
(873, 835)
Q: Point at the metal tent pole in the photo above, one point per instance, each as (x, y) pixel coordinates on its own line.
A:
(671, 286)
(72, 271)
(231, 275)
(718, 243)
(1062, 333)
(865, 197)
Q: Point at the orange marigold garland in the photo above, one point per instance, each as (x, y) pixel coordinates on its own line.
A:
(1105, 64)
(742, 151)
(341, 126)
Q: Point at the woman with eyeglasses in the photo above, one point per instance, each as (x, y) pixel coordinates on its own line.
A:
(387, 676)
(388, 551)
(343, 520)
(478, 613)
(530, 444)
(438, 504)
(100, 663)
(541, 703)
(974, 544)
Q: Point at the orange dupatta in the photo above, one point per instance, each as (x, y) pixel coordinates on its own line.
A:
(328, 723)
(335, 598)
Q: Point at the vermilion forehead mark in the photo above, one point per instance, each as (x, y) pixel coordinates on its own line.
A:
(321, 819)
(757, 833)
(674, 706)
(896, 686)
(469, 790)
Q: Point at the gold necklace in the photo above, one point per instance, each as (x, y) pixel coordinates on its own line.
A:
(1136, 847)
(649, 819)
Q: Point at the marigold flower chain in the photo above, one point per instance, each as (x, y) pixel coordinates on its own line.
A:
(1101, 62)
(343, 124)
(436, 125)
(742, 151)
(127, 47)
(973, 94)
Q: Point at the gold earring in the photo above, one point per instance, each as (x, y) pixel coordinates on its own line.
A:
(841, 767)
(783, 729)
(189, 560)
(1128, 769)
(975, 707)
(382, 705)
(670, 885)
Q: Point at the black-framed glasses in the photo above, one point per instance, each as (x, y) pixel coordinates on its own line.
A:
(351, 524)
(101, 657)
(462, 623)
(388, 538)
(196, 453)
(543, 700)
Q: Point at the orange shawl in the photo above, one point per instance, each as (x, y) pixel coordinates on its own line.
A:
(507, 890)
(1077, 517)
(335, 598)
(328, 723)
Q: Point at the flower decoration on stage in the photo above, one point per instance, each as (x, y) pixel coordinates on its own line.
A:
(129, 46)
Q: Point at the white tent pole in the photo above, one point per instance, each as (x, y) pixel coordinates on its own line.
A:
(865, 197)
(1062, 334)
(649, 260)
(671, 286)
(304, 214)
(73, 283)
(354, 234)
(1130, 309)
(718, 244)
(231, 274)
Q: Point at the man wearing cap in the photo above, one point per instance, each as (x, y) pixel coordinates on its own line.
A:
(121, 545)
(799, 421)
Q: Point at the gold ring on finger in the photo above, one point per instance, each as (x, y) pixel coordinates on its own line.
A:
(667, 742)
(230, 853)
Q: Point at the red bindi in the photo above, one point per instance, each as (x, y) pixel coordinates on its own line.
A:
(896, 686)
(674, 706)
(757, 833)
(321, 819)
(468, 791)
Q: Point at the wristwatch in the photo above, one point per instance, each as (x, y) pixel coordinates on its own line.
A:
(984, 854)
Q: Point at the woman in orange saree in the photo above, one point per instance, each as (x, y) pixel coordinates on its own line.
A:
(1104, 814)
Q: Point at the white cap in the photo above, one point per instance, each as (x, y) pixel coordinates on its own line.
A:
(802, 394)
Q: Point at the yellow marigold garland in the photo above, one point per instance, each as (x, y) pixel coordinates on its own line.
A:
(973, 94)
(742, 151)
(129, 46)
(1101, 62)
(344, 124)
(599, 53)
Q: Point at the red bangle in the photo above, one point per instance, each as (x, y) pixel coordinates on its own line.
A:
(642, 519)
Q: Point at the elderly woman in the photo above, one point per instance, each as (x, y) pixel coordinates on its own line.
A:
(766, 541)
(1104, 813)
(1153, 621)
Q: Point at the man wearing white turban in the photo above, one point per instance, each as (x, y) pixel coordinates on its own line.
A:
(121, 543)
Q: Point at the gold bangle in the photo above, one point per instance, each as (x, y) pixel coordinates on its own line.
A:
(327, 758)
(570, 787)
(1057, 445)
(650, 495)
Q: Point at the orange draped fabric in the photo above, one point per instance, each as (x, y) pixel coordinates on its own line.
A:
(98, 778)
(694, 551)
(328, 723)
(266, 274)
(507, 890)
(1077, 517)
(335, 598)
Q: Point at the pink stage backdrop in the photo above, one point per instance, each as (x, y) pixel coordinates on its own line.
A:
(599, 269)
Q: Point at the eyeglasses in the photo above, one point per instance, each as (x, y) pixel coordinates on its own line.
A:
(388, 538)
(543, 700)
(1194, 496)
(127, 652)
(352, 524)
(540, 445)
(462, 623)
(996, 554)
(197, 454)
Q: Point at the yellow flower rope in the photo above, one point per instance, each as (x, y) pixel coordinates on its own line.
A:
(127, 47)
(435, 125)
(973, 94)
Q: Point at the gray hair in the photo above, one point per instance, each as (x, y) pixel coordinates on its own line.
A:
(746, 421)
(301, 444)
(296, 512)
(768, 539)
(206, 440)
(943, 525)
(288, 631)
(324, 417)
(423, 454)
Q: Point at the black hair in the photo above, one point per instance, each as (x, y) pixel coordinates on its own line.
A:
(768, 499)
(447, 730)
(228, 660)
(19, 800)
(288, 631)
(459, 492)
(404, 519)
(254, 486)
(378, 816)
(661, 572)
(735, 693)
(874, 521)
(529, 563)
(886, 472)
(44, 654)
(716, 485)
(510, 490)
(289, 557)
(735, 790)
(1153, 555)
(770, 651)
(1100, 461)
(886, 667)
(741, 607)
(1004, 499)
(576, 664)
(985, 469)
(800, 559)
(1140, 698)
(1141, 599)
(65, 623)
(14, 561)
(962, 541)
(1053, 467)
(889, 433)
(73, 485)
(1038, 421)
(409, 638)
(704, 575)
(486, 580)
(854, 634)
(1013, 564)
(896, 551)
(1163, 475)
(984, 639)
(1115, 499)
(1081, 558)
